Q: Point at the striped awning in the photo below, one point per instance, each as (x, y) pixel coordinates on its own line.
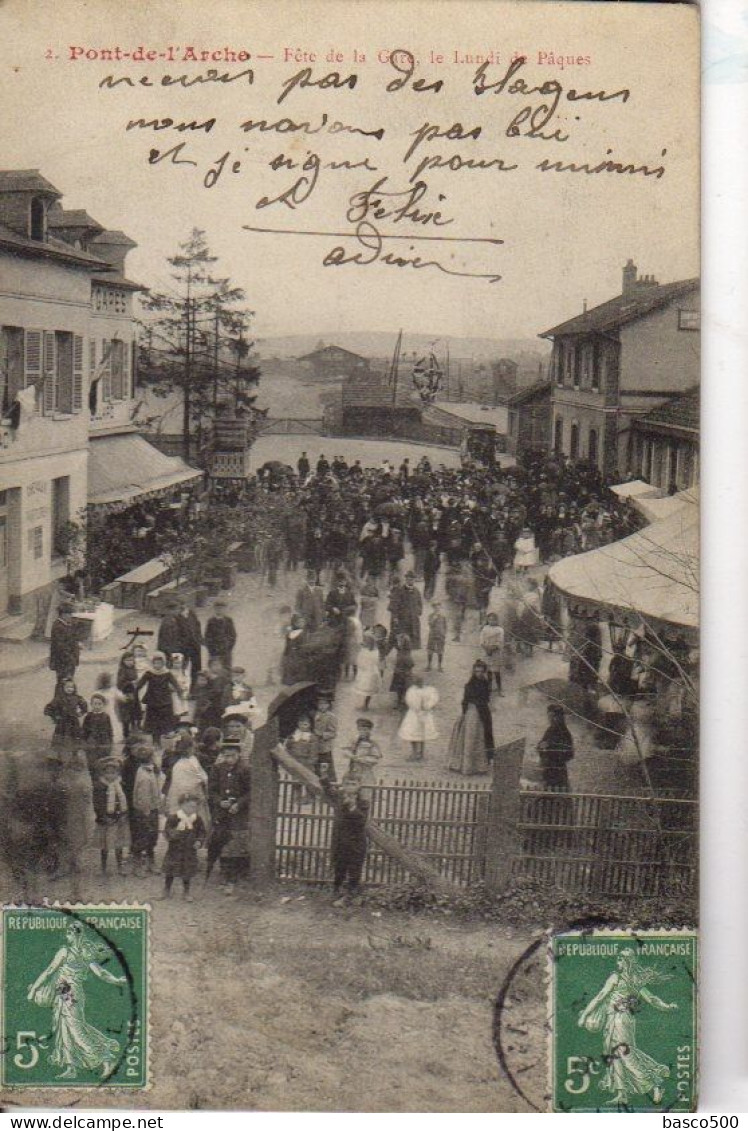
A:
(124, 468)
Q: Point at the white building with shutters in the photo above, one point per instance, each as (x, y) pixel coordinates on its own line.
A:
(67, 348)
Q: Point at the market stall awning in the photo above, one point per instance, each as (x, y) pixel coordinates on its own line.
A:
(124, 468)
(649, 577)
(637, 489)
(656, 509)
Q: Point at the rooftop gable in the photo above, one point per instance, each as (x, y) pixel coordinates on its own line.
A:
(679, 412)
(49, 249)
(26, 180)
(623, 308)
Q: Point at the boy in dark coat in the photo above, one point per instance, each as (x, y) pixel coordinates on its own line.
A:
(97, 731)
(64, 644)
(191, 636)
(229, 789)
(169, 634)
(348, 843)
(220, 635)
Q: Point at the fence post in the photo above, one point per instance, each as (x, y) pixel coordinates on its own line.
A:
(263, 805)
(502, 838)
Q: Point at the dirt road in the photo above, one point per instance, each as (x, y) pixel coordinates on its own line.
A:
(283, 1002)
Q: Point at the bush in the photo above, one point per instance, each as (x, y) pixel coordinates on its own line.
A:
(532, 904)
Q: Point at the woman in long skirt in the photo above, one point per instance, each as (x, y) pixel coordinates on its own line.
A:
(471, 744)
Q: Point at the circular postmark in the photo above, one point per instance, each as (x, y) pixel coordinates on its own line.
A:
(521, 1022)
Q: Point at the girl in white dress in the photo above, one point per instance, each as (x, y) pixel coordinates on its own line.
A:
(418, 726)
(525, 551)
(369, 673)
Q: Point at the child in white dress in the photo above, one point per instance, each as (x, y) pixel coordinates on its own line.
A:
(418, 726)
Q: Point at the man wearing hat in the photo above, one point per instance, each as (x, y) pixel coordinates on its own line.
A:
(229, 786)
(169, 634)
(310, 602)
(220, 635)
(406, 609)
(64, 644)
(341, 600)
(190, 638)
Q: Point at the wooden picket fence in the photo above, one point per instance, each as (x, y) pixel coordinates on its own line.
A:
(593, 843)
(609, 845)
(443, 822)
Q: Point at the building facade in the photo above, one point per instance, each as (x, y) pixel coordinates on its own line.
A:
(66, 371)
(618, 361)
(530, 413)
(330, 362)
(666, 443)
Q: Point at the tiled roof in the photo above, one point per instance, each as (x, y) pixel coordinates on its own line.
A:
(678, 412)
(25, 180)
(371, 392)
(623, 308)
(530, 393)
(325, 351)
(72, 218)
(114, 280)
(49, 249)
(115, 237)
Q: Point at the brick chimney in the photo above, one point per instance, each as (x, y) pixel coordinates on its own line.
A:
(629, 278)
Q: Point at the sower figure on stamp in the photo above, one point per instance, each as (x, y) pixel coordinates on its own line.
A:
(77, 1046)
(348, 843)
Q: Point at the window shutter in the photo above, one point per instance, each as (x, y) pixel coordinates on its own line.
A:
(77, 373)
(32, 356)
(118, 375)
(127, 381)
(106, 366)
(50, 382)
(91, 358)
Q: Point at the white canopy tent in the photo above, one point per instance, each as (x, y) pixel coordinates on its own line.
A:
(651, 577)
(636, 489)
(655, 509)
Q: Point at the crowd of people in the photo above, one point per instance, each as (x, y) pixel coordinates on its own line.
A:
(162, 748)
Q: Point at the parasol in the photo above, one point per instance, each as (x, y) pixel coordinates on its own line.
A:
(290, 702)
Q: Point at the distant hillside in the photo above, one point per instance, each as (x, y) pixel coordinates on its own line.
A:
(376, 343)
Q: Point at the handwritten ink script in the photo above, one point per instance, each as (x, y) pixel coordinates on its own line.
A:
(372, 164)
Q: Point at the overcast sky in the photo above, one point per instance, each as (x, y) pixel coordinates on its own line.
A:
(566, 237)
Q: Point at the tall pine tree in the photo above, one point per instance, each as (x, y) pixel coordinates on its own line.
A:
(196, 341)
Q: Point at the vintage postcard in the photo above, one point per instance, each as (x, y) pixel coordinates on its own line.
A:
(349, 513)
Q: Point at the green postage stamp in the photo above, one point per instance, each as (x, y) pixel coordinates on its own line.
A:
(623, 1021)
(74, 1009)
